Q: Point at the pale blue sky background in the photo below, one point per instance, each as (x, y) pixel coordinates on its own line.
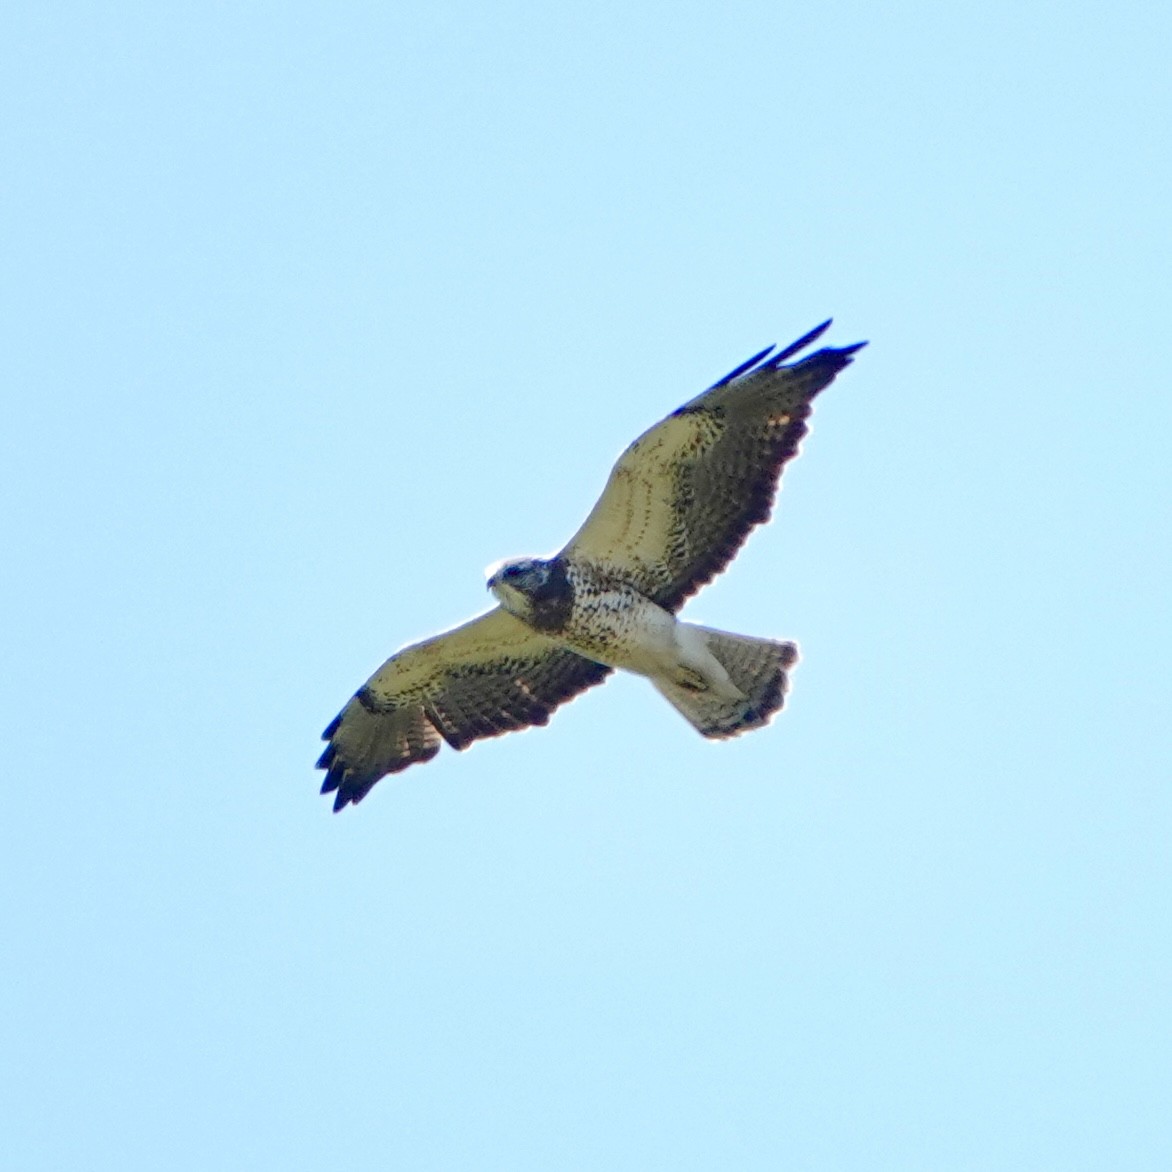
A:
(312, 312)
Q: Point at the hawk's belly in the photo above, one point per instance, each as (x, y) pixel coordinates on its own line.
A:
(622, 628)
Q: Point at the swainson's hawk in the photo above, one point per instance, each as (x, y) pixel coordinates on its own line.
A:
(678, 505)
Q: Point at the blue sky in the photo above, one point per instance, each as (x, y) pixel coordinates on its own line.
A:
(310, 313)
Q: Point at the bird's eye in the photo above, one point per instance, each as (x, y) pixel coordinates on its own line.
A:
(511, 571)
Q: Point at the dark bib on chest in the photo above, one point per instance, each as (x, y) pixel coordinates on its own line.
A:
(553, 603)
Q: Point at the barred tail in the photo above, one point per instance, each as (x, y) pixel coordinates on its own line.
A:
(759, 672)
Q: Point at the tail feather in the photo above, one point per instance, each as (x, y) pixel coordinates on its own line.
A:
(759, 672)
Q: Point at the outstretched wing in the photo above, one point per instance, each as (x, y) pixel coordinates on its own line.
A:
(490, 676)
(683, 497)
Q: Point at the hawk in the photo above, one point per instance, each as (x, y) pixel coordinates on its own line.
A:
(678, 505)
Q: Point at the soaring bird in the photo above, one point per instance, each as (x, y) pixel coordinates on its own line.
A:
(678, 505)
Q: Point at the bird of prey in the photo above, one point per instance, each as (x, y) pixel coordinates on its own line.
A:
(678, 505)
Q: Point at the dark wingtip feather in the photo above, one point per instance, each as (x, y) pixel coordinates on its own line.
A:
(350, 793)
(829, 360)
(804, 341)
(744, 366)
(766, 362)
(334, 778)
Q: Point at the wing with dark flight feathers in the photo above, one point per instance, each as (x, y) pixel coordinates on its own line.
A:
(487, 677)
(684, 496)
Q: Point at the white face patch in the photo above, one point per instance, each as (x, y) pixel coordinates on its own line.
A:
(510, 598)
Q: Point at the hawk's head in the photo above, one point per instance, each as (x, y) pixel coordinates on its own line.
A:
(535, 591)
